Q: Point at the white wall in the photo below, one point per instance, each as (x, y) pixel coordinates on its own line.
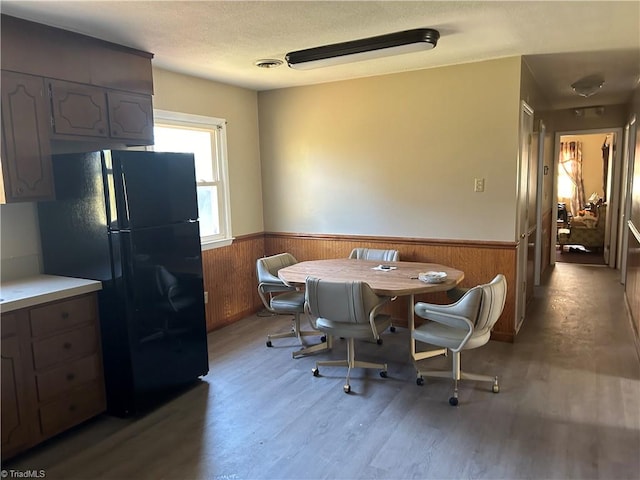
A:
(20, 254)
(395, 155)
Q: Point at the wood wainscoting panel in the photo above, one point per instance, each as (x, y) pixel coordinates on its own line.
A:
(230, 280)
(480, 262)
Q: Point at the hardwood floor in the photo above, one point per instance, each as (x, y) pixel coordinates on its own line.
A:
(568, 407)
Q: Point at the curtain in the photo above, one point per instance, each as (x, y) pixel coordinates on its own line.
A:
(605, 166)
(570, 184)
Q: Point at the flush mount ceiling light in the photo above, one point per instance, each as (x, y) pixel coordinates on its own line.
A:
(364, 49)
(587, 86)
(268, 63)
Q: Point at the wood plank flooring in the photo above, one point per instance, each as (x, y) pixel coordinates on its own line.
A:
(568, 407)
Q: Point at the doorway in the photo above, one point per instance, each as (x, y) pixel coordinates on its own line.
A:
(587, 190)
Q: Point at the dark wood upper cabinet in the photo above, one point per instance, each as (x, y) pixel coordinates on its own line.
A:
(26, 157)
(88, 111)
(50, 52)
(66, 92)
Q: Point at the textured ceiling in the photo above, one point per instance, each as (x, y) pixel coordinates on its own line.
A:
(220, 40)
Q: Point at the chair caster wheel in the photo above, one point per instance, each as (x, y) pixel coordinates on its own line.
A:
(383, 374)
(392, 328)
(496, 389)
(419, 381)
(347, 388)
(316, 372)
(379, 341)
(453, 401)
(269, 344)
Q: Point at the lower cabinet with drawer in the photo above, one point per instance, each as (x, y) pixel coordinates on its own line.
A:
(16, 405)
(57, 372)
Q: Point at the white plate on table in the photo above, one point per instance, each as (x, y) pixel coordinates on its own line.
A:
(384, 268)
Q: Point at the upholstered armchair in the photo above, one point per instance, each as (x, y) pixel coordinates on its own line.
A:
(349, 310)
(462, 325)
(282, 299)
(587, 231)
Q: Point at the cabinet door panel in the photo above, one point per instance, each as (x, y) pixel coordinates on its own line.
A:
(26, 161)
(131, 117)
(15, 431)
(78, 109)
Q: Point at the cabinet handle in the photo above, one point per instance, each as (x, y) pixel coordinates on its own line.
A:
(72, 408)
(65, 315)
(70, 376)
(101, 130)
(67, 345)
(115, 133)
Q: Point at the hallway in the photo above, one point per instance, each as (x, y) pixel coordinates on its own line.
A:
(568, 407)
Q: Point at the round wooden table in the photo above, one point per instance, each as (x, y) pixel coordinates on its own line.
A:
(401, 281)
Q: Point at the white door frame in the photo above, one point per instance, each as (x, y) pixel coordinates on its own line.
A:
(613, 201)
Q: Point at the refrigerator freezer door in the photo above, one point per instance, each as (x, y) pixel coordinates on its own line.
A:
(73, 229)
(151, 188)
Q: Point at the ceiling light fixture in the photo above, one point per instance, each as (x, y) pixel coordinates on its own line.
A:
(364, 49)
(268, 63)
(588, 86)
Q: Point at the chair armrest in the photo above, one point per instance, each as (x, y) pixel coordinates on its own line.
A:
(451, 320)
(455, 315)
(374, 313)
(466, 307)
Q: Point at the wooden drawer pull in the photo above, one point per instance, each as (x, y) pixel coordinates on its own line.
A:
(70, 376)
(67, 345)
(65, 315)
(72, 408)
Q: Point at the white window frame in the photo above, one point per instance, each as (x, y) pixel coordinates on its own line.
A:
(219, 125)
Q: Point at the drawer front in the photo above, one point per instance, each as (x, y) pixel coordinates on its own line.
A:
(9, 325)
(78, 405)
(68, 376)
(60, 316)
(66, 346)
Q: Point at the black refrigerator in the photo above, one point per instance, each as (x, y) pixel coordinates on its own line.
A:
(130, 220)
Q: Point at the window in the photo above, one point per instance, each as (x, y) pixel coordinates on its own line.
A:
(205, 137)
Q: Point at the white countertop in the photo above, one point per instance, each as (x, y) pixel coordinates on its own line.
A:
(27, 292)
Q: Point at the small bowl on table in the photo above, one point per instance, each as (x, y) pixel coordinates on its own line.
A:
(432, 277)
